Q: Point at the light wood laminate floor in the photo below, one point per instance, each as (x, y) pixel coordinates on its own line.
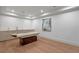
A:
(41, 46)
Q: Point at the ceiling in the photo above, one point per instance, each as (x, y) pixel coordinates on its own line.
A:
(33, 12)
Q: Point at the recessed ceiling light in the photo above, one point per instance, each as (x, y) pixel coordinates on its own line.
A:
(45, 14)
(11, 14)
(27, 17)
(12, 10)
(42, 11)
(30, 17)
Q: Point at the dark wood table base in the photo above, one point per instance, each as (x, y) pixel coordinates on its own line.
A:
(27, 40)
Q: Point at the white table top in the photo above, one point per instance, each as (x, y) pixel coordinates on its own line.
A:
(25, 34)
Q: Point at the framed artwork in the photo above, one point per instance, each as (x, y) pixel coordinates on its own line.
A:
(46, 24)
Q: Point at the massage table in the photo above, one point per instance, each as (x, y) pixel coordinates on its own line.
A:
(26, 38)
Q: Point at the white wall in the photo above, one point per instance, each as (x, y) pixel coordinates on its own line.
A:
(12, 22)
(65, 28)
